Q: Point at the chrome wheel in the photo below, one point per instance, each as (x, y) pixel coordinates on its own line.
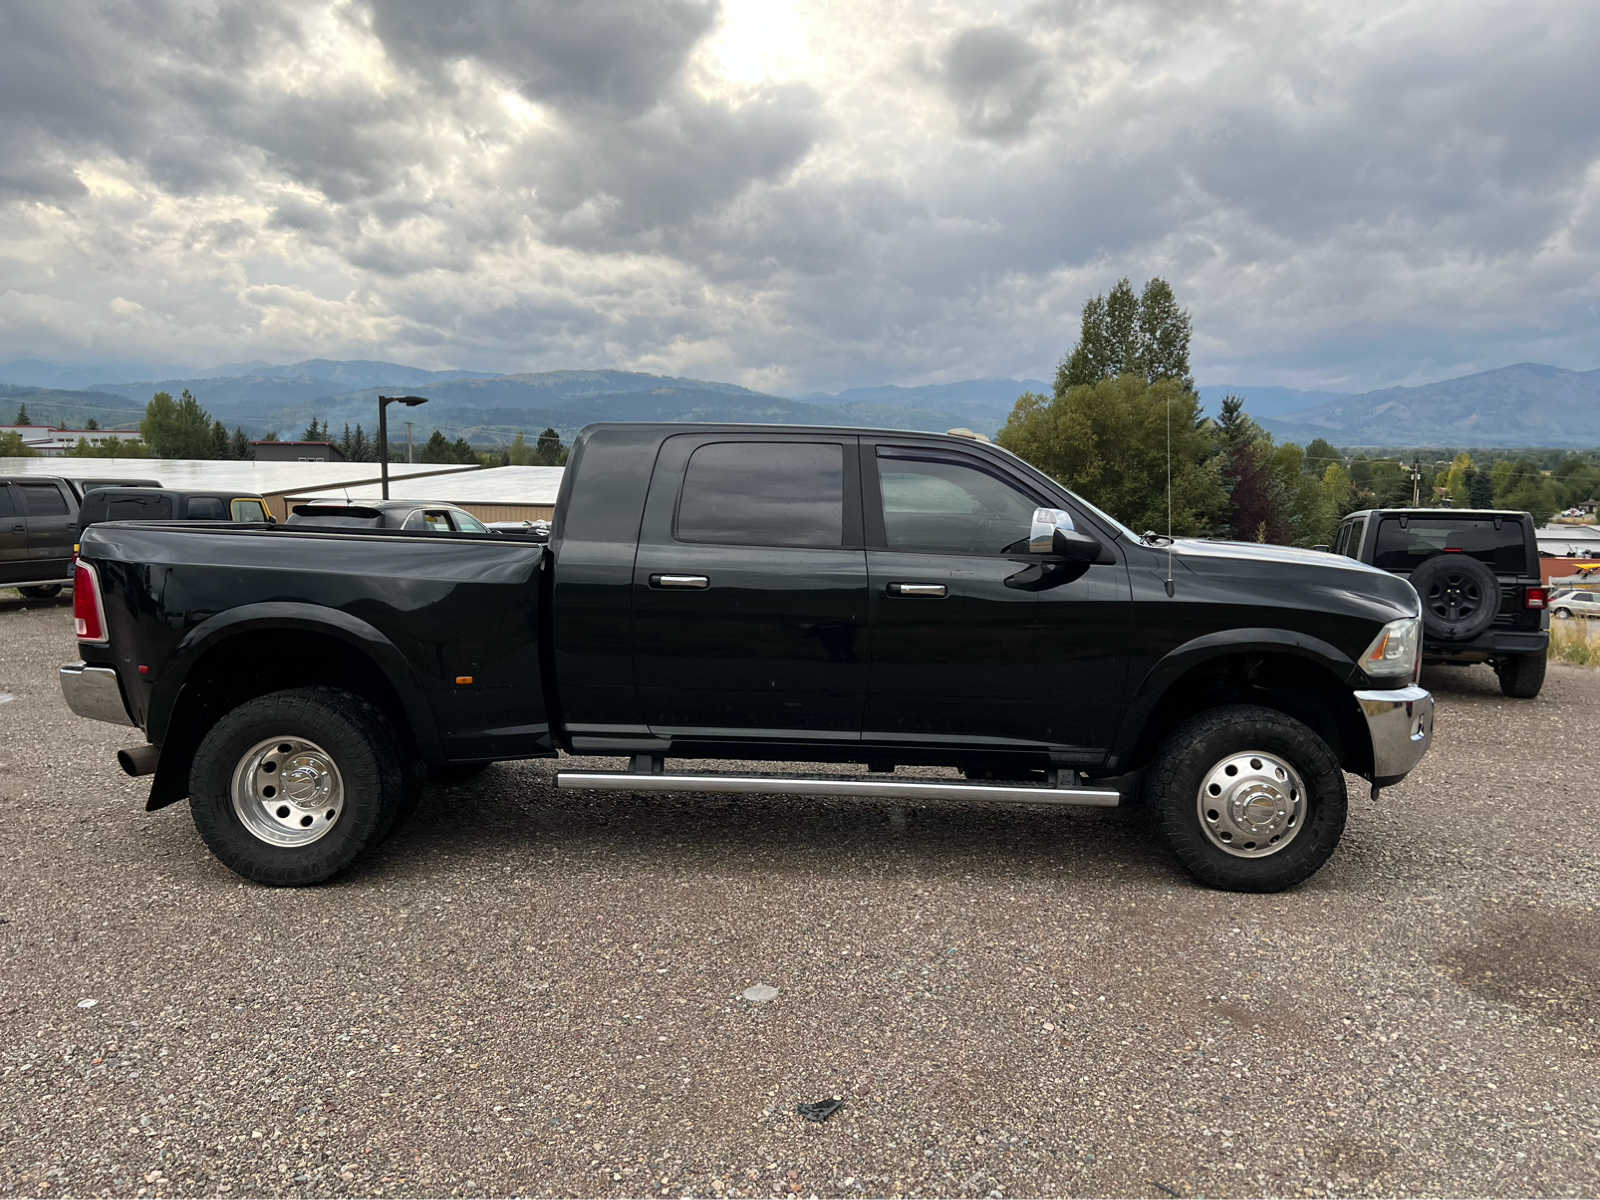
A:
(287, 791)
(1251, 804)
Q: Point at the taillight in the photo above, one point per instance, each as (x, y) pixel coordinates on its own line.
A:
(88, 613)
(1535, 597)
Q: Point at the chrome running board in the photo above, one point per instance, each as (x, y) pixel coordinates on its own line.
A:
(798, 785)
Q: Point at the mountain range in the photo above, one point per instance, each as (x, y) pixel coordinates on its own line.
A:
(1527, 404)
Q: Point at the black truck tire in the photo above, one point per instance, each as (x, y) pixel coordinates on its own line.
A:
(1521, 675)
(1248, 798)
(290, 788)
(1460, 596)
(42, 591)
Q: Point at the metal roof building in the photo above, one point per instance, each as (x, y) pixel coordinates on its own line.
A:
(270, 480)
(494, 494)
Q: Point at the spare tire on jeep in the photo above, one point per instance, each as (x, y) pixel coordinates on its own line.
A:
(1460, 596)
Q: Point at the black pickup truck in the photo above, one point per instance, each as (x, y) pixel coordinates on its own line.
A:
(744, 593)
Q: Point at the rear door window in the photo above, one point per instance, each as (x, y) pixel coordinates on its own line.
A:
(206, 508)
(1404, 543)
(137, 508)
(43, 500)
(763, 494)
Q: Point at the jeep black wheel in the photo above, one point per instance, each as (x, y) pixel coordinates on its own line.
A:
(1521, 675)
(291, 787)
(1460, 596)
(1248, 799)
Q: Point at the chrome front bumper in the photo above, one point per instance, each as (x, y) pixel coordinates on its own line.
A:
(94, 692)
(1400, 722)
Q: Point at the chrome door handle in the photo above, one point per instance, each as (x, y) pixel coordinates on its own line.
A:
(927, 591)
(688, 583)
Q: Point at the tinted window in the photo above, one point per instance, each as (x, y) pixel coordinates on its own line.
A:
(206, 508)
(1404, 546)
(134, 508)
(43, 499)
(764, 494)
(248, 510)
(948, 505)
(6, 508)
(467, 523)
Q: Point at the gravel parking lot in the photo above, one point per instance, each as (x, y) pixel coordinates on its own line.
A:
(528, 991)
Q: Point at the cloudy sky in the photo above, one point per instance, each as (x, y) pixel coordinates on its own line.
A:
(799, 194)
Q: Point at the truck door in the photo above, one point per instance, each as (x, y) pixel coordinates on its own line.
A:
(51, 528)
(15, 565)
(974, 642)
(749, 589)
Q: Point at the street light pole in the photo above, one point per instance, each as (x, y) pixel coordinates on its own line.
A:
(383, 431)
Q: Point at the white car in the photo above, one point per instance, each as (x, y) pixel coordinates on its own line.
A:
(1575, 602)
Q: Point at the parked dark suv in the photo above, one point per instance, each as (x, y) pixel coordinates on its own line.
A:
(1477, 572)
(38, 522)
(168, 504)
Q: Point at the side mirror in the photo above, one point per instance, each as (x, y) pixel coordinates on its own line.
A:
(1324, 549)
(1052, 532)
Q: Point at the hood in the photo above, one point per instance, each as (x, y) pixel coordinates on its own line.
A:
(1340, 583)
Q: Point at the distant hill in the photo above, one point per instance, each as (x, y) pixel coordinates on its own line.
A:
(1528, 404)
(1524, 405)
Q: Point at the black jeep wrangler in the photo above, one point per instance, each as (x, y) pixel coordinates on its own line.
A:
(1477, 572)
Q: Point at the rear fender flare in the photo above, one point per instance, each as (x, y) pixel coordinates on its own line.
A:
(276, 616)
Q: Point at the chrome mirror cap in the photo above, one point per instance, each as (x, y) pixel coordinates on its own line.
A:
(1042, 530)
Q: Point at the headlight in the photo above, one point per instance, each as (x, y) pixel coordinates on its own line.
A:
(1396, 649)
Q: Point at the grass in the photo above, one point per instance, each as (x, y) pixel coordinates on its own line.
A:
(1575, 641)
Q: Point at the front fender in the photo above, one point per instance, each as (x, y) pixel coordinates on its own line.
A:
(1225, 643)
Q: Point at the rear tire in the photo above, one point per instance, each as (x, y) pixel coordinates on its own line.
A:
(1562, 613)
(1266, 824)
(342, 784)
(1521, 675)
(43, 591)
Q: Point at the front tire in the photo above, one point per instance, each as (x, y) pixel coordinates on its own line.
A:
(290, 788)
(1521, 675)
(1248, 799)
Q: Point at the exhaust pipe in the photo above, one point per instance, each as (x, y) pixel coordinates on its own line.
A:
(139, 760)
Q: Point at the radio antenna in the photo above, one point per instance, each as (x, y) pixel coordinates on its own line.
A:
(1171, 588)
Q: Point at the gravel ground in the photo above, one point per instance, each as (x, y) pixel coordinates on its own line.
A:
(528, 991)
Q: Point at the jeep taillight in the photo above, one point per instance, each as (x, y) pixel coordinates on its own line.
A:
(88, 613)
(1535, 597)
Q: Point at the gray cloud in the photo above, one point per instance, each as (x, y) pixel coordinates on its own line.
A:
(1342, 200)
(996, 80)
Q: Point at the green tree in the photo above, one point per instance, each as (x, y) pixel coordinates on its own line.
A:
(1124, 334)
(91, 423)
(1108, 441)
(1307, 509)
(461, 451)
(1480, 489)
(239, 445)
(12, 446)
(1455, 479)
(1319, 454)
(344, 442)
(177, 429)
(131, 448)
(519, 455)
(550, 452)
(315, 432)
(435, 449)
(22, 416)
(361, 450)
(1339, 488)
(221, 447)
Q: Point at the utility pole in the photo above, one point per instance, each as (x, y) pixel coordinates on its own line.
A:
(1416, 482)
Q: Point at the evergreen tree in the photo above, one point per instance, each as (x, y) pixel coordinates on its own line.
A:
(91, 423)
(314, 432)
(435, 450)
(549, 451)
(240, 447)
(1480, 490)
(344, 442)
(22, 416)
(221, 447)
(361, 450)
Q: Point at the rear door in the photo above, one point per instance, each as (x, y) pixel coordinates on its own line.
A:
(51, 528)
(749, 589)
(15, 564)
